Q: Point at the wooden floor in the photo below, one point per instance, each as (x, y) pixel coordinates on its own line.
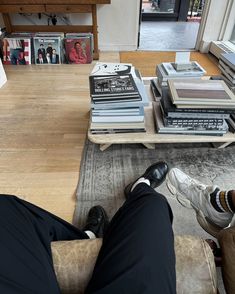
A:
(43, 125)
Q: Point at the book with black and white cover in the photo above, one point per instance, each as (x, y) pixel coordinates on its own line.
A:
(116, 85)
(119, 117)
(196, 70)
(211, 93)
(162, 129)
(3, 77)
(110, 69)
(229, 59)
(170, 110)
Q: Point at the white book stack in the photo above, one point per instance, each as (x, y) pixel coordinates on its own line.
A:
(227, 67)
(118, 98)
(170, 70)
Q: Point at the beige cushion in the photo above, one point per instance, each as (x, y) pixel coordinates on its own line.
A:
(226, 239)
(195, 268)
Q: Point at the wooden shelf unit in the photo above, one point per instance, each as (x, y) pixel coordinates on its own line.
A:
(53, 6)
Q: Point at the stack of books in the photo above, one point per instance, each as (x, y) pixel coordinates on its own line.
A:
(118, 98)
(198, 107)
(169, 70)
(227, 67)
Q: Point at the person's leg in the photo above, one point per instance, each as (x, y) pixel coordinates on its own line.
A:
(214, 208)
(137, 255)
(26, 232)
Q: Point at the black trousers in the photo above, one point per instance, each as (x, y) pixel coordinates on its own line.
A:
(137, 255)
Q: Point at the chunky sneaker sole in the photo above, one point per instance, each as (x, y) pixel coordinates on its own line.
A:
(204, 220)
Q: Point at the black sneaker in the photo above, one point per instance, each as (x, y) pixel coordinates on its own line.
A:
(97, 221)
(156, 174)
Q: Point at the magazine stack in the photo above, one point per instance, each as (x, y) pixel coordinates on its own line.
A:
(197, 107)
(227, 67)
(118, 98)
(170, 70)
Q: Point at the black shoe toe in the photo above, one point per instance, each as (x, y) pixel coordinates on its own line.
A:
(97, 221)
(156, 174)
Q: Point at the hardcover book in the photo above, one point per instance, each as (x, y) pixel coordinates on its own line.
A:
(170, 110)
(211, 93)
(118, 117)
(195, 70)
(78, 50)
(108, 86)
(197, 130)
(119, 127)
(109, 68)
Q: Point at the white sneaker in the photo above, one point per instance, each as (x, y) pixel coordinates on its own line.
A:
(191, 192)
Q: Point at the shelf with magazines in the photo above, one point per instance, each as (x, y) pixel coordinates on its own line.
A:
(151, 137)
(8, 7)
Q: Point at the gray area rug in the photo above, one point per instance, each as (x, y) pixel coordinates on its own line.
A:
(104, 175)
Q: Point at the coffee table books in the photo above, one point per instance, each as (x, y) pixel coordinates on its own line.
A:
(198, 127)
(118, 98)
(201, 94)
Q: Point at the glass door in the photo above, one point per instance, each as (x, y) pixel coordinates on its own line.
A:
(165, 10)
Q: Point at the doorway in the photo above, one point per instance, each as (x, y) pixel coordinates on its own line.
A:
(169, 25)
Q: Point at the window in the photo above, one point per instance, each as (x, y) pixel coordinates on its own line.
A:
(232, 39)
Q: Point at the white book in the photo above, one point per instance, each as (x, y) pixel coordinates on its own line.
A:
(3, 77)
(109, 68)
(171, 71)
(120, 117)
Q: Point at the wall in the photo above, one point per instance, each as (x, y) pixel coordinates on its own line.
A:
(117, 24)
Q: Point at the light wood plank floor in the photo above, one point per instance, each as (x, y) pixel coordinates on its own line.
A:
(43, 124)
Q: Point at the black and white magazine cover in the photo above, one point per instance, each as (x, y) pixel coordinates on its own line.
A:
(109, 68)
(117, 85)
